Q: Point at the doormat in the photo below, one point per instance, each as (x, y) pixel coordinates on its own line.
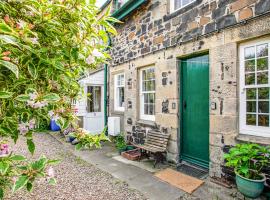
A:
(196, 172)
(182, 181)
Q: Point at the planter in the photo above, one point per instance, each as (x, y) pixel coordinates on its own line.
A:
(122, 150)
(130, 147)
(54, 126)
(248, 187)
(134, 154)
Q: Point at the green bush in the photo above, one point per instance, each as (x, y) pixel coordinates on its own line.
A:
(45, 47)
(248, 160)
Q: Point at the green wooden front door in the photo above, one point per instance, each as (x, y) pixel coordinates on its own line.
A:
(195, 110)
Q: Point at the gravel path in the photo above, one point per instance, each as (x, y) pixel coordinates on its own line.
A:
(76, 179)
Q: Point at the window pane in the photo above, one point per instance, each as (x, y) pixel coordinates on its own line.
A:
(177, 4)
(262, 64)
(250, 79)
(251, 106)
(121, 96)
(262, 50)
(146, 99)
(251, 94)
(152, 98)
(151, 109)
(263, 106)
(263, 120)
(94, 100)
(249, 52)
(149, 85)
(146, 109)
(262, 77)
(185, 2)
(251, 119)
(250, 65)
(263, 93)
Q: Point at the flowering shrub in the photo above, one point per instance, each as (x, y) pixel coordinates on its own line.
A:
(45, 47)
(88, 140)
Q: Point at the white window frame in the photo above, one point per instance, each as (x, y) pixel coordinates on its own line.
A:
(143, 116)
(116, 95)
(249, 129)
(172, 3)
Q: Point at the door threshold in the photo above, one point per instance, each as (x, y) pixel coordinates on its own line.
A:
(193, 170)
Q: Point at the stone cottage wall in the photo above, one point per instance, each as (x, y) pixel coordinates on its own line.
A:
(151, 36)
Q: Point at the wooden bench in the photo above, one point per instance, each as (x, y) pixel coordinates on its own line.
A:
(156, 144)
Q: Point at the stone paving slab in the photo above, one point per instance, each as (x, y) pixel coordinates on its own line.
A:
(137, 178)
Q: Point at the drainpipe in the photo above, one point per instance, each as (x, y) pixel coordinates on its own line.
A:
(106, 87)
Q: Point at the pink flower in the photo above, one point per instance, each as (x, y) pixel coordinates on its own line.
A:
(97, 53)
(32, 123)
(4, 150)
(50, 172)
(6, 58)
(6, 53)
(34, 40)
(6, 19)
(33, 95)
(23, 128)
(90, 60)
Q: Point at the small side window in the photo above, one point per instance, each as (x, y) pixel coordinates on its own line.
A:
(119, 91)
(178, 4)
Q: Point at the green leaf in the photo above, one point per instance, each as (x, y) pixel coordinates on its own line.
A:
(78, 146)
(29, 187)
(20, 183)
(1, 193)
(32, 70)
(53, 162)
(52, 181)
(22, 98)
(39, 164)
(5, 95)
(3, 167)
(17, 158)
(31, 146)
(8, 39)
(12, 67)
(4, 28)
(51, 97)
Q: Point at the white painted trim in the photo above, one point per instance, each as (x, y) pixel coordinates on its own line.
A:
(116, 107)
(143, 116)
(172, 3)
(243, 128)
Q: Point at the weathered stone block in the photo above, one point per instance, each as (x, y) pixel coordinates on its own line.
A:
(239, 4)
(158, 40)
(210, 28)
(204, 20)
(262, 6)
(226, 21)
(219, 12)
(245, 13)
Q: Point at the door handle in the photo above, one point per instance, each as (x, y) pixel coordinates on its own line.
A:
(185, 104)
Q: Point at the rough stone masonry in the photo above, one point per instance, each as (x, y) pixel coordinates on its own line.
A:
(153, 36)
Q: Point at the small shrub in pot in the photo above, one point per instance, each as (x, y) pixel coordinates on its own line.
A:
(248, 160)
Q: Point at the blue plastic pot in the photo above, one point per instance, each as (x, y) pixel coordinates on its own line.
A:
(54, 126)
(250, 188)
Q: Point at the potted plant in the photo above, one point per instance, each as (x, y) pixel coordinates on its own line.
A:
(248, 160)
(120, 143)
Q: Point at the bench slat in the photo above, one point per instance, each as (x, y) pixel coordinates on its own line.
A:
(159, 135)
(156, 138)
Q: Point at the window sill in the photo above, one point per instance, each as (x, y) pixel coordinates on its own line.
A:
(253, 139)
(180, 11)
(147, 123)
(117, 112)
